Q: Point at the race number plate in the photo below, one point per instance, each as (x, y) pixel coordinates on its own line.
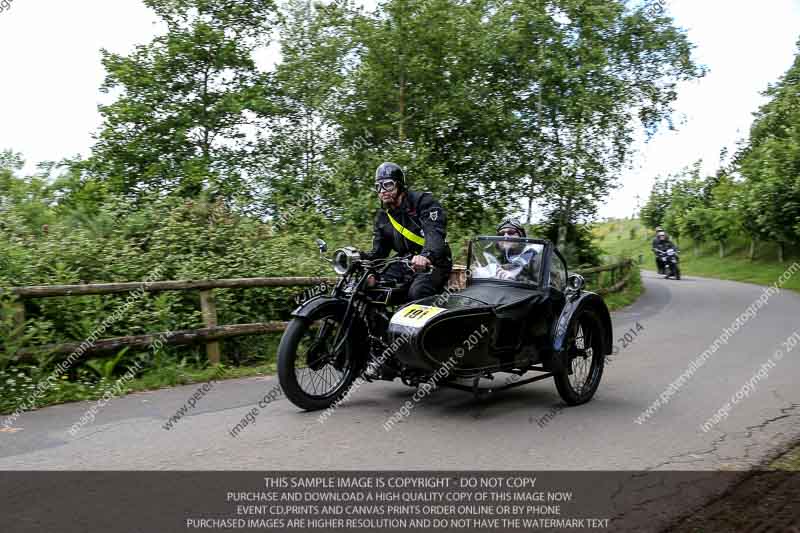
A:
(415, 315)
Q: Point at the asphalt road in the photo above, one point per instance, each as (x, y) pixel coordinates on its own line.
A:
(451, 430)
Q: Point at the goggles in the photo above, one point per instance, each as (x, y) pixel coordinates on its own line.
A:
(511, 226)
(385, 185)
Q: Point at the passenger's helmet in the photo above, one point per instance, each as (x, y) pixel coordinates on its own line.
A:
(512, 223)
(391, 171)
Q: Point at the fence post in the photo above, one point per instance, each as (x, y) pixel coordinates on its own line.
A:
(209, 309)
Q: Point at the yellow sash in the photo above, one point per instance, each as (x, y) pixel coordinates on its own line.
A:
(408, 234)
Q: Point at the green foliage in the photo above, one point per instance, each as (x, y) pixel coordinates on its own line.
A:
(17, 335)
(655, 209)
(166, 239)
(580, 249)
(189, 102)
(105, 368)
(723, 214)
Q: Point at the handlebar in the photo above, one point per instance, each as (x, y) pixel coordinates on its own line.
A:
(381, 265)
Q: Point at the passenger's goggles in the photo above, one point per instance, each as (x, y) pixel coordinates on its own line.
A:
(509, 225)
(385, 185)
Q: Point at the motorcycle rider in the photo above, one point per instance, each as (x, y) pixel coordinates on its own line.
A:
(661, 244)
(654, 246)
(412, 223)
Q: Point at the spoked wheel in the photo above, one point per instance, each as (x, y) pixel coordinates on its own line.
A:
(314, 373)
(584, 360)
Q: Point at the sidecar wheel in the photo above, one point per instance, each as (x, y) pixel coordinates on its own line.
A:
(584, 360)
(311, 376)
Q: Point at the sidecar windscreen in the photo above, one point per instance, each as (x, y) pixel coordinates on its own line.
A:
(511, 259)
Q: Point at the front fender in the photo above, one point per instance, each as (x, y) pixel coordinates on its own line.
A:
(323, 302)
(574, 305)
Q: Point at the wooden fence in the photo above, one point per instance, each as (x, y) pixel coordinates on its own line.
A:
(603, 280)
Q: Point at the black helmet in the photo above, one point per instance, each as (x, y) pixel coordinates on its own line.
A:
(512, 223)
(391, 171)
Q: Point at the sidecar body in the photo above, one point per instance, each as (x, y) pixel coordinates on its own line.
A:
(516, 314)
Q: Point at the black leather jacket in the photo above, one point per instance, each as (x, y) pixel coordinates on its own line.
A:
(662, 246)
(421, 214)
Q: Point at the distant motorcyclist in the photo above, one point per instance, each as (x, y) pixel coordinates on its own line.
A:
(661, 244)
(659, 229)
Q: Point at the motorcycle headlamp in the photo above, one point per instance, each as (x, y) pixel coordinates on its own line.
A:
(343, 260)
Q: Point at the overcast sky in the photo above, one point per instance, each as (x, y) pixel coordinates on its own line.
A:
(51, 73)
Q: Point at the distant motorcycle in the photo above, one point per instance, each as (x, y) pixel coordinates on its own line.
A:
(669, 258)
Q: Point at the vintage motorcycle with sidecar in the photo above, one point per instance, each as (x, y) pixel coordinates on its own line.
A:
(520, 312)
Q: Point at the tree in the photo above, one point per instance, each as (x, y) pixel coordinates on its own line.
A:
(423, 87)
(29, 199)
(686, 214)
(748, 210)
(770, 162)
(191, 104)
(586, 74)
(305, 139)
(724, 214)
(655, 209)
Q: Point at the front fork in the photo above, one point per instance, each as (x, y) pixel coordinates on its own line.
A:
(372, 318)
(366, 322)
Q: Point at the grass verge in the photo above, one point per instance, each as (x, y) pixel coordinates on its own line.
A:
(632, 291)
(789, 461)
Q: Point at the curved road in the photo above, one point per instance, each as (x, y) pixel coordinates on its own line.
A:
(524, 428)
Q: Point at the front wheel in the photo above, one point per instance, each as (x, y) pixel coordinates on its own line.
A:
(584, 360)
(677, 272)
(314, 373)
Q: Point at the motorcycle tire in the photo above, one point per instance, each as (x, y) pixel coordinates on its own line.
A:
(288, 360)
